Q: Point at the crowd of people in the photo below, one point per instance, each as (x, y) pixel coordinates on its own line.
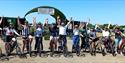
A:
(104, 39)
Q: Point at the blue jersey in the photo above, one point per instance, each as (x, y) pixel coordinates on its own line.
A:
(39, 32)
(53, 31)
(25, 32)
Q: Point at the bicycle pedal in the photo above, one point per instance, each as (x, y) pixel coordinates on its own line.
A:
(44, 55)
(70, 56)
(33, 55)
(82, 55)
(23, 56)
(56, 55)
(5, 58)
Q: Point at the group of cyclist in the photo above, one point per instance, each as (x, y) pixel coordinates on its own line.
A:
(58, 34)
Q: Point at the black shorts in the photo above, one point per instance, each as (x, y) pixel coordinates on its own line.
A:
(61, 37)
(24, 37)
(9, 38)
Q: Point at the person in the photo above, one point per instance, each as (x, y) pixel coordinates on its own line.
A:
(118, 38)
(76, 39)
(1, 37)
(58, 21)
(53, 35)
(62, 34)
(83, 31)
(38, 36)
(105, 36)
(70, 30)
(25, 34)
(20, 27)
(9, 33)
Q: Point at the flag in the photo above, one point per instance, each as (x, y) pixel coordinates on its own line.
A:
(121, 43)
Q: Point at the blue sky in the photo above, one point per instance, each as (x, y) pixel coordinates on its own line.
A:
(99, 11)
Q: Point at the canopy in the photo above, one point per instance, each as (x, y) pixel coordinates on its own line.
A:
(57, 12)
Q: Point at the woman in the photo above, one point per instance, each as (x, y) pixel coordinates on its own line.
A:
(53, 36)
(76, 39)
(38, 38)
(83, 31)
(25, 34)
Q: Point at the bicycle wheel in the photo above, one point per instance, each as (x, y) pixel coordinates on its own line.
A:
(77, 50)
(18, 51)
(65, 51)
(52, 47)
(29, 50)
(123, 50)
(0, 53)
(7, 48)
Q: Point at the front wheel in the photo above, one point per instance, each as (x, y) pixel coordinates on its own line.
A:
(123, 50)
(18, 51)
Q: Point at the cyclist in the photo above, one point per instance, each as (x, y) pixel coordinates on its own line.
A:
(10, 33)
(62, 34)
(25, 34)
(76, 39)
(38, 36)
(53, 36)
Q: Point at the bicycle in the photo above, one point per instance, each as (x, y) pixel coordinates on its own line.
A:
(11, 46)
(62, 47)
(27, 45)
(52, 46)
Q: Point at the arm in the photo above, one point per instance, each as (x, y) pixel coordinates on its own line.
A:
(99, 27)
(34, 23)
(1, 20)
(16, 33)
(18, 21)
(115, 27)
(69, 21)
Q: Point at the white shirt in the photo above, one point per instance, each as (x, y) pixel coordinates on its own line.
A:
(8, 31)
(62, 30)
(105, 33)
(76, 31)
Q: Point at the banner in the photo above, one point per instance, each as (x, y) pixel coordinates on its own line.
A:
(50, 11)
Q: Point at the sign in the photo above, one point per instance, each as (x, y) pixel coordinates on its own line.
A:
(50, 11)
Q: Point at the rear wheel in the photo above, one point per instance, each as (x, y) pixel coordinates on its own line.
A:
(0, 53)
(65, 51)
(18, 51)
(7, 48)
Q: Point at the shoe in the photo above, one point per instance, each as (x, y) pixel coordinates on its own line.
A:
(116, 52)
(121, 53)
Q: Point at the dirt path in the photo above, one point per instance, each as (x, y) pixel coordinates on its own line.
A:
(87, 59)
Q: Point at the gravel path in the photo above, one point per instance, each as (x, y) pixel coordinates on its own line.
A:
(87, 59)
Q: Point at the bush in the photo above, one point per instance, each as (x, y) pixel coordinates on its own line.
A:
(46, 37)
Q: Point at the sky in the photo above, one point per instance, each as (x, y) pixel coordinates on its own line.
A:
(99, 11)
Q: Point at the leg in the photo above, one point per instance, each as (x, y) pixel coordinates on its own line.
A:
(36, 42)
